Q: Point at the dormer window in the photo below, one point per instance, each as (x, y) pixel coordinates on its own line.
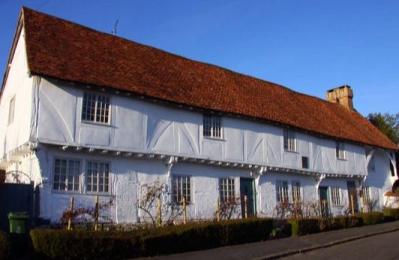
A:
(212, 126)
(95, 108)
(289, 141)
(340, 150)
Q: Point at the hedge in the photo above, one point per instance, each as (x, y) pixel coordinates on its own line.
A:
(371, 218)
(4, 246)
(301, 227)
(391, 214)
(63, 244)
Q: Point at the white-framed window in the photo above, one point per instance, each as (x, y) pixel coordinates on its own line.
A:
(181, 188)
(289, 141)
(366, 195)
(226, 189)
(212, 126)
(282, 191)
(296, 191)
(11, 111)
(340, 150)
(97, 176)
(96, 108)
(66, 175)
(335, 196)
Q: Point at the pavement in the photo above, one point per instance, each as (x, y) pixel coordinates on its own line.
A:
(279, 248)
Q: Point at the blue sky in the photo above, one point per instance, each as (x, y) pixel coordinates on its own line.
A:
(307, 45)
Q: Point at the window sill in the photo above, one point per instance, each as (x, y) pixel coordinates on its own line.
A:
(95, 123)
(289, 151)
(60, 192)
(214, 138)
(342, 159)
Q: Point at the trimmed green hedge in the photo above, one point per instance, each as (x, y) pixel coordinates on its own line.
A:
(63, 244)
(391, 214)
(371, 218)
(4, 246)
(301, 227)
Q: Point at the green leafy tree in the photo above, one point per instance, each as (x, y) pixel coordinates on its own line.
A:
(387, 124)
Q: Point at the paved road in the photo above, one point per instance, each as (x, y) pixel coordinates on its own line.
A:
(381, 247)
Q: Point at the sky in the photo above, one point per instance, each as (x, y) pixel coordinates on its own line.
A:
(309, 46)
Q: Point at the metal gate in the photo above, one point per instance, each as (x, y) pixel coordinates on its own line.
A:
(16, 198)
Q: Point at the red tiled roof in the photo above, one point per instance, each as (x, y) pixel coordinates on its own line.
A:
(64, 50)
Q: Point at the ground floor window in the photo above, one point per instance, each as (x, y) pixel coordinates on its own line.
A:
(366, 195)
(181, 188)
(282, 191)
(66, 175)
(97, 176)
(226, 190)
(296, 192)
(336, 196)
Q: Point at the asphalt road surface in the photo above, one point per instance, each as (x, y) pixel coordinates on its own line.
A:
(381, 247)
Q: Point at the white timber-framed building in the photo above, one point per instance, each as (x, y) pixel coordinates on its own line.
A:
(87, 114)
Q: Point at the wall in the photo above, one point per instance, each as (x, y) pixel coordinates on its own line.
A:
(138, 125)
(19, 85)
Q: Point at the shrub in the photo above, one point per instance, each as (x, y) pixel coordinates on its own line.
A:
(391, 214)
(65, 244)
(4, 246)
(281, 228)
(301, 227)
(371, 218)
(346, 222)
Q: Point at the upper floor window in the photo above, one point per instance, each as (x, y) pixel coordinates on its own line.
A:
(227, 190)
(66, 175)
(336, 196)
(340, 150)
(11, 111)
(181, 189)
(305, 162)
(212, 126)
(296, 191)
(97, 176)
(289, 141)
(95, 108)
(392, 169)
(282, 191)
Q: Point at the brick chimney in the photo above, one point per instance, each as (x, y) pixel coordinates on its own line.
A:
(342, 95)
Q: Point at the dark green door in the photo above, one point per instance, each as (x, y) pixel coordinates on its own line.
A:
(324, 206)
(247, 192)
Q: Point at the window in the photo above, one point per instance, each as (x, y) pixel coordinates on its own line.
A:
(66, 175)
(181, 188)
(366, 195)
(11, 111)
(391, 169)
(212, 126)
(97, 177)
(289, 141)
(340, 150)
(95, 108)
(336, 196)
(305, 162)
(282, 191)
(226, 189)
(296, 191)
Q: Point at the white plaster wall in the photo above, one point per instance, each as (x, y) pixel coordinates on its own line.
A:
(379, 178)
(19, 85)
(140, 125)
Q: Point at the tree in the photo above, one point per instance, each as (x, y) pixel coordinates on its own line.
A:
(387, 124)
